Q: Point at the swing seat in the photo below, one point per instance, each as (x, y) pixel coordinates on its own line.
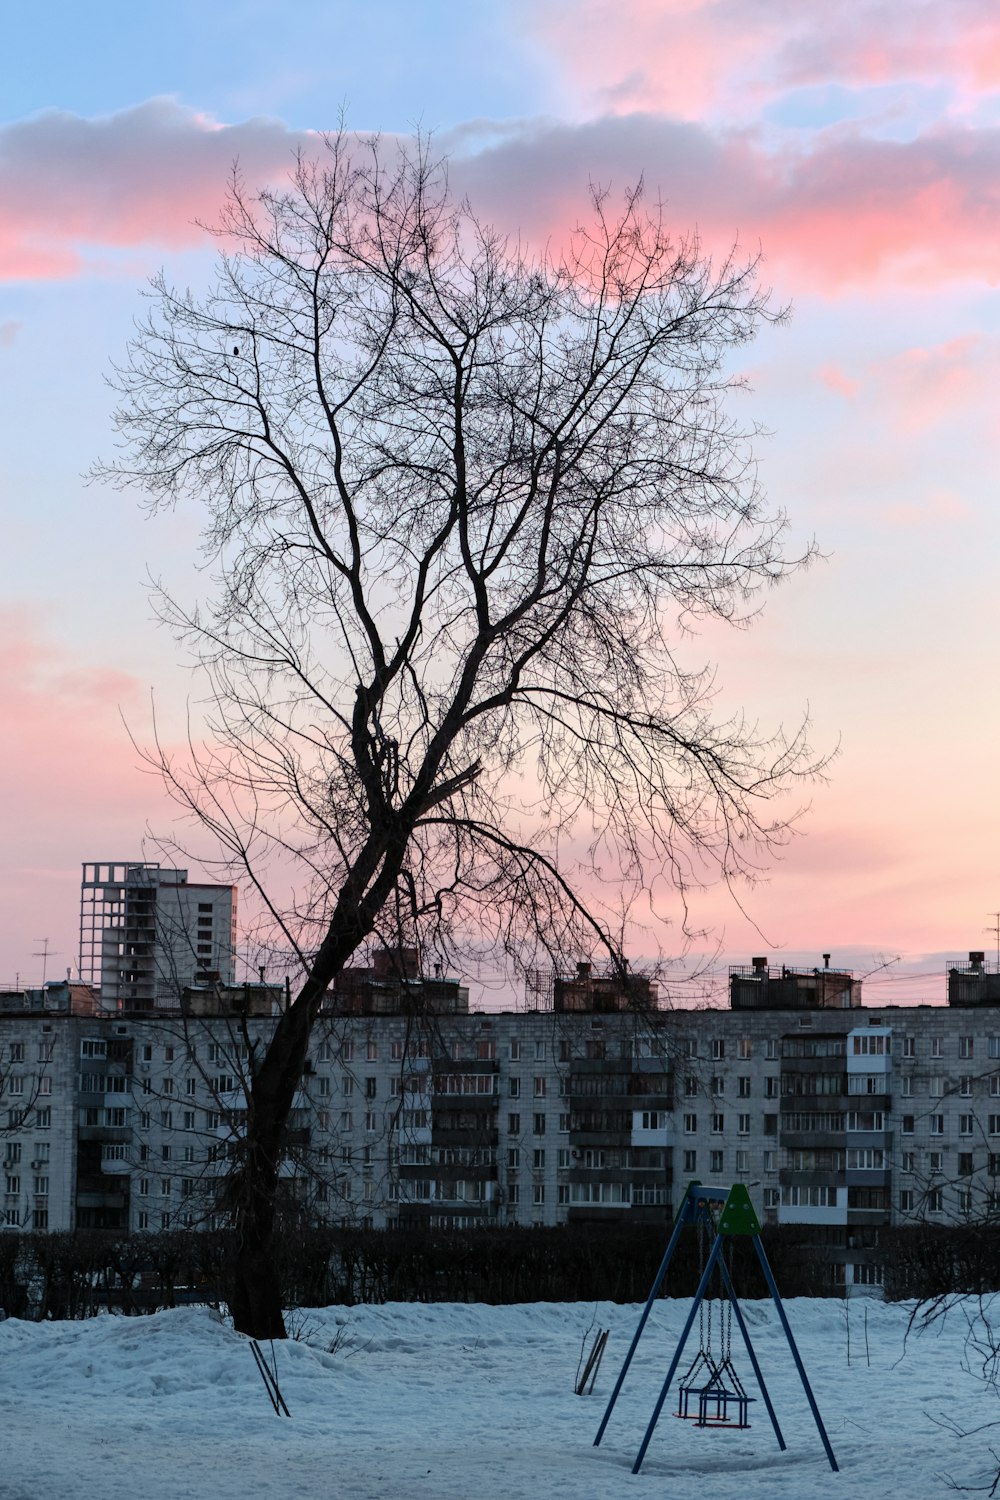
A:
(724, 1402)
(701, 1375)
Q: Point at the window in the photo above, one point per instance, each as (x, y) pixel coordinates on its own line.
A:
(515, 1049)
(513, 1124)
(13, 1184)
(346, 1120)
(771, 1089)
(965, 1124)
(17, 1052)
(513, 1194)
(539, 1126)
(936, 1086)
(564, 1124)
(372, 1050)
(937, 1124)
(742, 1124)
(563, 1192)
(715, 1161)
(690, 1124)
(690, 1087)
(371, 1124)
(995, 1085)
(144, 1187)
(43, 1118)
(514, 1087)
(909, 1046)
(771, 1197)
(906, 1201)
(190, 1085)
(906, 1086)
(165, 1187)
(655, 1119)
(540, 1088)
(965, 1164)
(165, 1153)
(771, 1049)
(347, 1084)
(993, 1166)
(770, 1124)
(966, 1046)
(718, 1124)
(994, 1046)
(937, 1161)
(907, 1124)
(743, 1048)
(539, 1052)
(538, 1160)
(562, 1158)
(717, 1085)
(743, 1087)
(935, 1046)
(690, 1161)
(907, 1160)
(371, 1088)
(718, 1048)
(538, 1194)
(743, 1161)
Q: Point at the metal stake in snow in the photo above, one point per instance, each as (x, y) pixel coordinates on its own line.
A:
(735, 1216)
(270, 1378)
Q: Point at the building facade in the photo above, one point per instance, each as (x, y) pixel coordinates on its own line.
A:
(147, 933)
(840, 1117)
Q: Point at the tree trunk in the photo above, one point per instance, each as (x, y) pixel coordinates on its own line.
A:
(253, 1286)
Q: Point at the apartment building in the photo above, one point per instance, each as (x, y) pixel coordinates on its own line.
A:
(147, 933)
(838, 1116)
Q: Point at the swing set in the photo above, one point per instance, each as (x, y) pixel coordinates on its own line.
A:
(711, 1393)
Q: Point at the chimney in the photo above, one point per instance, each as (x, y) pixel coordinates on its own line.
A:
(760, 965)
(826, 960)
(583, 971)
(976, 961)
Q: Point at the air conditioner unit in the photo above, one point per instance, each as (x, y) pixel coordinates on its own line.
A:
(36, 1166)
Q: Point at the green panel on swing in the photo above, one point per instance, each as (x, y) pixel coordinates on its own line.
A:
(738, 1213)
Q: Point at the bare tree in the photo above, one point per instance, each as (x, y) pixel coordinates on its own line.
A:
(460, 502)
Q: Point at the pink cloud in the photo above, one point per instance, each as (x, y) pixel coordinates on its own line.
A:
(929, 385)
(850, 210)
(835, 380)
(139, 177)
(689, 57)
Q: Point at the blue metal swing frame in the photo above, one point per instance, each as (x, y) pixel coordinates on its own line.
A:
(737, 1217)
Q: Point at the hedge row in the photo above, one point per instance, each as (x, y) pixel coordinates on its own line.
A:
(74, 1275)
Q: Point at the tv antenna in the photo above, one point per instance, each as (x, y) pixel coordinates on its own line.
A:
(46, 953)
(995, 929)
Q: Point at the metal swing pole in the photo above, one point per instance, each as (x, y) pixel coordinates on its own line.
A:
(772, 1287)
(682, 1218)
(698, 1298)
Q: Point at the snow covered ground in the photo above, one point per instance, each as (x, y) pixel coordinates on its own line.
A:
(476, 1403)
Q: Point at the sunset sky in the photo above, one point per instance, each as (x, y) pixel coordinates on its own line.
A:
(858, 146)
